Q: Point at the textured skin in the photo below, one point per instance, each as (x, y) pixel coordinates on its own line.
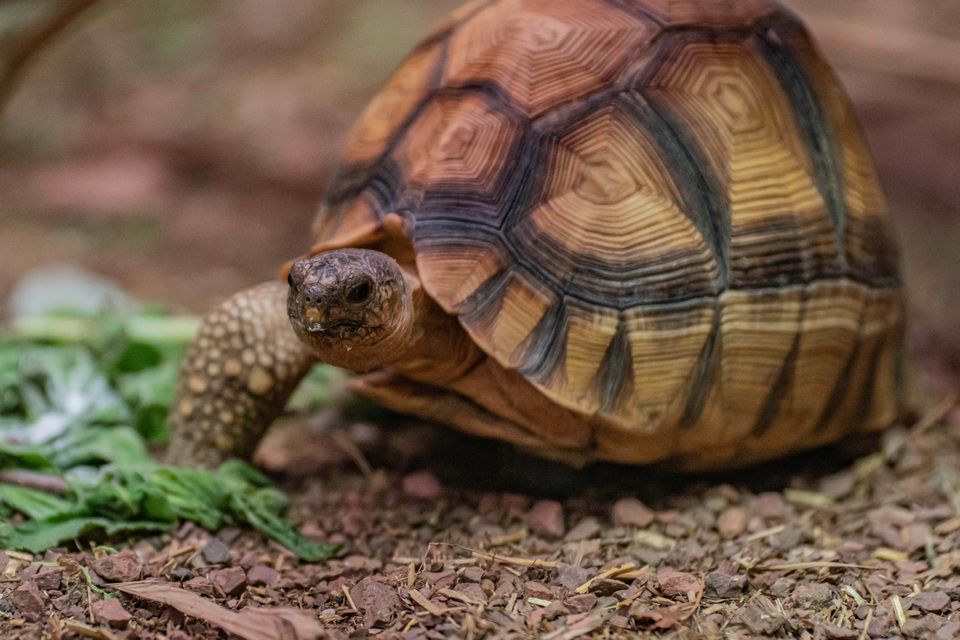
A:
(660, 213)
(236, 377)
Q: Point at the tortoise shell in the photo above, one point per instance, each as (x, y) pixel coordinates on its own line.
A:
(661, 213)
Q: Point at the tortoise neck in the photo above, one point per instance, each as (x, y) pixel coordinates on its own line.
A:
(439, 350)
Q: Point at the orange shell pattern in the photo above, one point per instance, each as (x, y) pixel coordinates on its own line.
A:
(662, 213)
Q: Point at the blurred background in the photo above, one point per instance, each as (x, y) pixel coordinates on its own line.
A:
(179, 147)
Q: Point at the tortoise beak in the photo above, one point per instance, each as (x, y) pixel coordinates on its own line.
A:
(316, 319)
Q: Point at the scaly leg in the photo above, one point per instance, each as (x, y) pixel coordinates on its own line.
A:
(236, 378)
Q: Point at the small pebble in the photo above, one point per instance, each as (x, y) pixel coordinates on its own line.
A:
(768, 505)
(722, 585)
(923, 627)
(215, 552)
(581, 603)
(48, 578)
(181, 573)
(111, 612)
(545, 518)
(584, 530)
(675, 583)
(813, 596)
(377, 601)
(231, 581)
(119, 567)
(732, 522)
(262, 575)
(833, 632)
(422, 485)
(932, 601)
(28, 601)
(630, 512)
(533, 589)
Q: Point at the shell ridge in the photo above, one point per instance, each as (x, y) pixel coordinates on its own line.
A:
(704, 374)
(775, 396)
(704, 205)
(540, 352)
(815, 129)
(615, 377)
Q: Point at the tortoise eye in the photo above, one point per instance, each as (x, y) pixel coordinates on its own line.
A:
(360, 292)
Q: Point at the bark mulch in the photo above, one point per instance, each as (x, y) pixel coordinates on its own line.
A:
(449, 537)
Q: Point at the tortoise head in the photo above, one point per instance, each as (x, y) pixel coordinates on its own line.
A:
(352, 308)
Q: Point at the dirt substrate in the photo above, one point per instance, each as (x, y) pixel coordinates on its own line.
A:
(480, 543)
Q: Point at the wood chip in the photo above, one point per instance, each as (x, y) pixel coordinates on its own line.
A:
(259, 623)
(807, 498)
(520, 562)
(424, 602)
(883, 553)
(88, 632)
(510, 538)
(766, 533)
(898, 610)
(613, 572)
(803, 566)
(462, 597)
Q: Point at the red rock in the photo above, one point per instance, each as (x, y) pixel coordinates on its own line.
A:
(48, 578)
(949, 631)
(514, 505)
(933, 601)
(111, 612)
(879, 627)
(28, 601)
(732, 522)
(533, 589)
(834, 632)
(551, 611)
(119, 567)
(422, 485)
(440, 579)
(471, 589)
(545, 518)
(724, 585)
(571, 577)
(378, 602)
(813, 596)
(923, 627)
(473, 574)
(262, 575)
(231, 581)
(768, 505)
(581, 603)
(201, 585)
(607, 586)
(889, 516)
(584, 530)
(630, 512)
(674, 583)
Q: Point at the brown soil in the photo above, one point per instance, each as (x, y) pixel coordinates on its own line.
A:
(465, 539)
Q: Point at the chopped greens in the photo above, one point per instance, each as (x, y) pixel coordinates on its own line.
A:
(82, 400)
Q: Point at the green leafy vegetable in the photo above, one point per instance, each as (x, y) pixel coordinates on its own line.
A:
(83, 399)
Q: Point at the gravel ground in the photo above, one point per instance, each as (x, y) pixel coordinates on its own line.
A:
(446, 536)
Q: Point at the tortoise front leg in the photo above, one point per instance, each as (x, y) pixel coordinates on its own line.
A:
(236, 378)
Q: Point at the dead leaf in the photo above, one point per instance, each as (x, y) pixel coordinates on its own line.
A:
(260, 623)
(667, 617)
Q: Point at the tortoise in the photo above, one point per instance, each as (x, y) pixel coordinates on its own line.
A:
(638, 231)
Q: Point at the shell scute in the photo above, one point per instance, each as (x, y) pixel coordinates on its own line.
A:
(543, 53)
